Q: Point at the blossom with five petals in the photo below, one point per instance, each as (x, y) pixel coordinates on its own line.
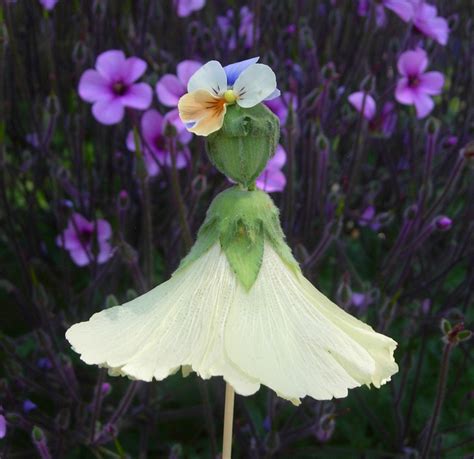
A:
(213, 87)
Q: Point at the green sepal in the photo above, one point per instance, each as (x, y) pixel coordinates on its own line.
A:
(243, 243)
(241, 221)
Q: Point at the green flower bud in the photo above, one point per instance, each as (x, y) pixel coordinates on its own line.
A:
(247, 140)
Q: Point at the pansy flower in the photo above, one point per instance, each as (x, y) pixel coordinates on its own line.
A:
(213, 87)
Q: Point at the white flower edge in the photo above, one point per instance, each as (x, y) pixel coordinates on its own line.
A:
(283, 333)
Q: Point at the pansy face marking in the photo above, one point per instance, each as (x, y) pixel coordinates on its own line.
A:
(213, 87)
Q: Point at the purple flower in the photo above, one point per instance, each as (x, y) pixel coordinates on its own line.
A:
(170, 88)
(44, 363)
(415, 87)
(272, 178)
(363, 103)
(443, 223)
(280, 105)
(48, 4)
(245, 31)
(155, 148)
(111, 87)
(402, 8)
(426, 20)
(369, 218)
(3, 426)
(28, 406)
(185, 7)
(86, 241)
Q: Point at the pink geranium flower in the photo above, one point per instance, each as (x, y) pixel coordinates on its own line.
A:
(280, 105)
(155, 149)
(86, 241)
(272, 178)
(48, 4)
(111, 86)
(426, 20)
(186, 7)
(363, 103)
(415, 87)
(170, 88)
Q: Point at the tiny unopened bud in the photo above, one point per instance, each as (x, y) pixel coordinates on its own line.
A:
(411, 212)
(199, 184)
(328, 72)
(79, 53)
(123, 200)
(52, 105)
(464, 335)
(99, 8)
(13, 418)
(432, 125)
(131, 294)
(426, 306)
(37, 435)
(322, 142)
(344, 292)
(194, 29)
(445, 326)
(105, 389)
(111, 301)
(443, 223)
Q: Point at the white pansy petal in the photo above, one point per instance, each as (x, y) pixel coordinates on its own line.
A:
(254, 84)
(211, 77)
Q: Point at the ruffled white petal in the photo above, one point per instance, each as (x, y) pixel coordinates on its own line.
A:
(282, 333)
(210, 77)
(254, 85)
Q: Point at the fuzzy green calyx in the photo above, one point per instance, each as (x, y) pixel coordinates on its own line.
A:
(247, 140)
(241, 221)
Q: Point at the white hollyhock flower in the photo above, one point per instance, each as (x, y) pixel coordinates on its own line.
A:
(220, 317)
(213, 87)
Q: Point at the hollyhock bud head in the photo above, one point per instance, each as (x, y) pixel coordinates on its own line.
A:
(247, 140)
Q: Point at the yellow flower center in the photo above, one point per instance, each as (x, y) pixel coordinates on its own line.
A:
(230, 96)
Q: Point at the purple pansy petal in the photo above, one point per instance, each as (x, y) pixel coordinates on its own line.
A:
(138, 96)
(3, 426)
(79, 257)
(431, 83)
(412, 63)
(424, 105)
(133, 69)
(185, 70)
(172, 117)
(104, 230)
(48, 4)
(130, 141)
(233, 71)
(169, 89)
(402, 8)
(278, 160)
(151, 164)
(186, 7)
(403, 93)
(152, 126)
(93, 87)
(110, 64)
(271, 180)
(363, 100)
(105, 252)
(108, 111)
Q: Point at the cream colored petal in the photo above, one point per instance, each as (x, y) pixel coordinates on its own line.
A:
(211, 77)
(254, 85)
(179, 323)
(294, 340)
(202, 112)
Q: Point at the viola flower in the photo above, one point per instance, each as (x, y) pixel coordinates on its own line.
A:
(239, 307)
(280, 105)
(363, 103)
(111, 86)
(86, 241)
(426, 20)
(272, 179)
(48, 4)
(213, 87)
(155, 150)
(415, 87)
(185, 8)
